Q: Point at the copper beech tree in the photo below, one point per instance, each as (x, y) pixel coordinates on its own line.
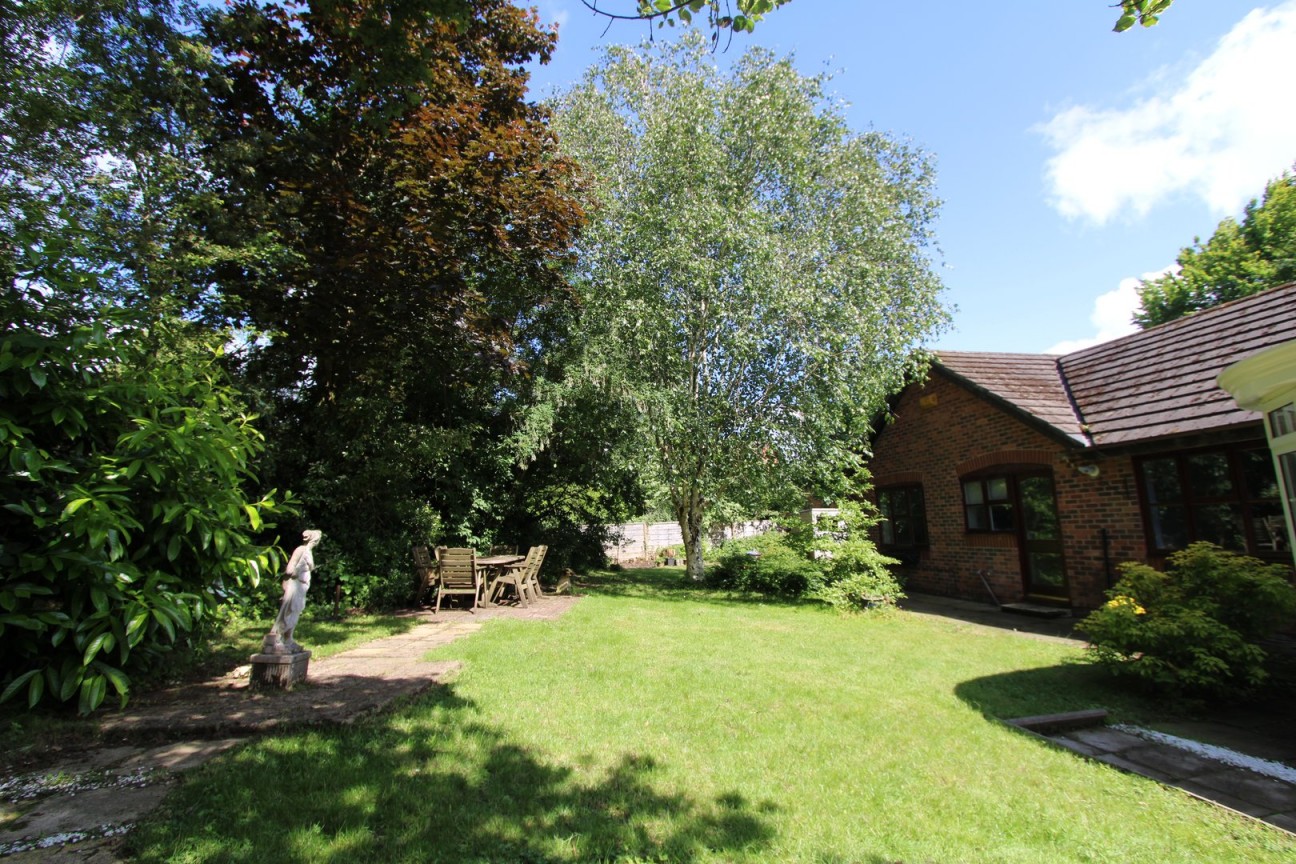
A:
(406, 216)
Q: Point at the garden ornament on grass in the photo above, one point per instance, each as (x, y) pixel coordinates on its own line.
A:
(295, 584)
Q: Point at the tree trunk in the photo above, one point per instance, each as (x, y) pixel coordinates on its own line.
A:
(690, 522)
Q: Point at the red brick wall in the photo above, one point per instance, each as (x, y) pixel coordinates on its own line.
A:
(943, 431)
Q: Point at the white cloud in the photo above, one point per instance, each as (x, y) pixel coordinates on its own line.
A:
(556, 13)
(1112, 315)
(1220, 135)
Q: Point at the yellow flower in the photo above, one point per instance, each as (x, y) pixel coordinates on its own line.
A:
(1126, 602)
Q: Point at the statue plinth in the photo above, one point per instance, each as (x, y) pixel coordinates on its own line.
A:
(280, 669)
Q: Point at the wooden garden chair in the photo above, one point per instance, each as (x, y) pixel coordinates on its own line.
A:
(425, 571)
(511, 575)
(457, 574)
(533, 568)
(523, 576)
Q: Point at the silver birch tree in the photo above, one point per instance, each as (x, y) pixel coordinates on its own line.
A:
(756, 276)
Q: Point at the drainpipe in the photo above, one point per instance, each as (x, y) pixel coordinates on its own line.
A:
(1107, 564)
(986, 583)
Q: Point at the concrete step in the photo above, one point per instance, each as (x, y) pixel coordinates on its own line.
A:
(1036, 610)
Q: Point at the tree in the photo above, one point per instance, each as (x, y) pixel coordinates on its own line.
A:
(1145, 12)
(735, 16)
(413, 218)
(126, 456)
(1237, 261)
(739, 15)
(755, 277)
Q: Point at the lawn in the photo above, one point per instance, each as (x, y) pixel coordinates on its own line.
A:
(660, 723)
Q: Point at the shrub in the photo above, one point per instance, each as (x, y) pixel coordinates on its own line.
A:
(126, 467)
(841, 566)
(855, 574)
(776, 567)
(1192, 630)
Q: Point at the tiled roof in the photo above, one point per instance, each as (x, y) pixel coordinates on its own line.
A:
(1030, 383)
(1151, 384)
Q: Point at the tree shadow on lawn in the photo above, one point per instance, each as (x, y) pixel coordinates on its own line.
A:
(436, 783)
(1071, 686)
(673, 584)
(1079, 685)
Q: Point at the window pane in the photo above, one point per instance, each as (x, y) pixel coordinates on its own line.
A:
(1282, 421)
(1208, 476)
(1220, 524)
(972, 492)
(1169, 527)
(1161, 479)
(1046, 572)
(1288, 463)
(997, 488)
(919, 512)
(1001, 517)
(1257, 468)
(977, 519)
(886, 502)
(1039, 516)
(1269, 528)
(904, 522)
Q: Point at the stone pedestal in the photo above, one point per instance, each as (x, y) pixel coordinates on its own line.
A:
(279, 670)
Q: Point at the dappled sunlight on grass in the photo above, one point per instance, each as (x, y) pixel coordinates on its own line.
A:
(435, 783)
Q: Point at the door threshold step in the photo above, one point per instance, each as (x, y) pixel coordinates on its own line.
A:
(1036, 610)
(1046, 724)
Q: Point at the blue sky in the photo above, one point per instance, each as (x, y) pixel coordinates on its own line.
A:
(1071, 160)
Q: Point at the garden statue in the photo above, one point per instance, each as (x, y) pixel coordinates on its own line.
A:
(295, 584)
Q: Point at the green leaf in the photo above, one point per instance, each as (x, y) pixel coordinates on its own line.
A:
(93, 648)
(1124, 22)
(75, 505)
(35, 690)
(71, 681)
(165, 620)
(136, 623)
(24, 622)
(17, 684)
(93, 690)
(38, 376)
(118, 679)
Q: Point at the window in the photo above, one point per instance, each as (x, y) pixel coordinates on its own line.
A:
(904, 518)
(988, 504)
(1226, 497)
(1282, 421)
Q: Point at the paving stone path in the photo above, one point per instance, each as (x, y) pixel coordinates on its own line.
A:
(1247, 791)
(76, 810)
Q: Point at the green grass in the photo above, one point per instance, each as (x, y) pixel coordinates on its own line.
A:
(656, 722)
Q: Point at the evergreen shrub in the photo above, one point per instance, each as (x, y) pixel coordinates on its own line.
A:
(1194, 629)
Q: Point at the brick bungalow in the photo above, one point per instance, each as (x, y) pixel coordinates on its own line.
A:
(1030, 477)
